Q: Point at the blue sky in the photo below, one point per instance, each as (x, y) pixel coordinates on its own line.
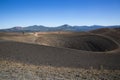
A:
(59, 12)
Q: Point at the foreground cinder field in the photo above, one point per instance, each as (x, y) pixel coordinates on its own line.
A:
(60, 56)
(19, 71)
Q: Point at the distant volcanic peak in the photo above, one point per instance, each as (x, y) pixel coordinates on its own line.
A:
(37, 26)
(97, 26)
(17, 28)
(65, 25)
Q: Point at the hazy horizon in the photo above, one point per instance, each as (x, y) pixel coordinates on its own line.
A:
(54, 13)
(60, 25)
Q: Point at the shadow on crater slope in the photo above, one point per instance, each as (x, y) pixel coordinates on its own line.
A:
(80, 42)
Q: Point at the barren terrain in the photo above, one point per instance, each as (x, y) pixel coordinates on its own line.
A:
(91, 55)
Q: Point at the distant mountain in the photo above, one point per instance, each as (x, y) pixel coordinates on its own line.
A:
(64, 27)
(117, 26)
